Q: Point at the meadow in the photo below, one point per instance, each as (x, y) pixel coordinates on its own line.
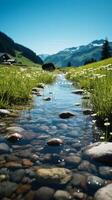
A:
(96, 78)
(16, 83)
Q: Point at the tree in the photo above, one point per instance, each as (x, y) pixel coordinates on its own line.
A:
(89, 61)
(105, 50)
(69, 64)
(48, 67)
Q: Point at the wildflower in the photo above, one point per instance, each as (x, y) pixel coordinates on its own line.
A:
(110, 133)
(106, 124)
(102, 138)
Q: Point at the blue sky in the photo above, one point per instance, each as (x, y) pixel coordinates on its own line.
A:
(47, 26)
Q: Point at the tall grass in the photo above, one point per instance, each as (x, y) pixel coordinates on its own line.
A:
(16, 84)
(97, 79)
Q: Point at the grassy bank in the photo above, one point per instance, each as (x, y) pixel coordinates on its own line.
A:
(97, 79)
(16, 83)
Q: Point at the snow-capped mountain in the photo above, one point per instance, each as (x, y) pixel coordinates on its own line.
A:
(77, 55)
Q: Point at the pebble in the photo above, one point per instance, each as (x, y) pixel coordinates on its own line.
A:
(44, 193)
(62, 195)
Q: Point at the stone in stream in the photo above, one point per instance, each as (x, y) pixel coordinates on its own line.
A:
(4, 112)
(72, 159)
(80, 91)
(106, 172)
(13, 129)
(54, 175)
(87, 111)
(4, 148)
(47, 99)
(87, 166)
(94, 183)
(79, 180)
(62, 195)
(104, 193)
(100, 151)
(55, 142)
(17, 175)
(80, 195)
(66, 115)
(44, 193)
(7, 188)
(14, 137)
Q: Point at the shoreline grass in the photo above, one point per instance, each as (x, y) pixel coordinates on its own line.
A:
(16, 83)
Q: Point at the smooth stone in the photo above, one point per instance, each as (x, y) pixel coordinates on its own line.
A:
(73, 159)
(77, 104)
(94, 183)
(100, 151)
(106, 172)
(15, 129)
(47, 99)
(30, 195)
(7, 188)
(54, 175)
(44, 193)
(13, 165)
(104, 193)
(80, 195)
(55, 142)
(66, 115)
(4, 148)
(22, 189)
(87, 112)
(79, 180)
(87, 166)
(27, 163)
(80, 91)
(14, 137)
(17, 176)
(35, 89)
(40, 85)
(3, 177)
(4, 112)
(62, 195)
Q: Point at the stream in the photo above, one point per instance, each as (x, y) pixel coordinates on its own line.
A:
(18, 168)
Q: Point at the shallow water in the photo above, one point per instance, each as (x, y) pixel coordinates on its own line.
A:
(41, 123)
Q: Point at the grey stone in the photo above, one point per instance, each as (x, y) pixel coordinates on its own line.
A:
(104, 193)
(44, 193)
(7, 188)
(94, 182)
(4, 148)
(62, 195)
(17, 176)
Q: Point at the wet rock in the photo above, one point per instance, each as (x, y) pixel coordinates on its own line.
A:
(4, 148)
(4, 112)
(22, 189)
(62, 195)
(13, 165)
(80, 91)
(80, 195)
(7, 188)
(55, 142)
(87, 112)
(3, 177)
(66, 115)
(100, 151)
(17, 176)
(87, 166)
(41, 85)
(73, 159)
(35, 89)
(104, 193)
(79, 180)
(94, 183)
(27, 163)
(30, 195)
(15, 129)
(54, 175)
(44, 193)
(47, 99)
(77, 104)
(14, 137)
(63, 126)
(106, 172)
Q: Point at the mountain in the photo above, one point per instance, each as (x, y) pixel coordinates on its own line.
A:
(77, 56)
(43, 56)
(8, 45)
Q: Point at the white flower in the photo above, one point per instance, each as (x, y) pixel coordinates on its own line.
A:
(106, 124)
(102, 137)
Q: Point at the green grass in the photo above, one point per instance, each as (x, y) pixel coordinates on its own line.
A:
(16, 83)
(97, 79)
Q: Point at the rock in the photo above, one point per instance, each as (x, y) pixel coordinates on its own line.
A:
(106, 172)
(4, 148)
(22, 189)
(40, 85)
(3, 177)
(74, 160)
(80, 195)
(54, 175)
(14, 137)
(4, 112)
(17, 176)
(87, 112)
(13, 165)
(104, 193)
(30, 195)
(47, 99)
(44, 193)
(62, 195)
(79, 180)
(87, 166)
(100, 151)
(77, 104)
(94, 183)
(35, 89)
(80, 91)
(55, 142)
(7, 188)
(27, 163)
(66, 115)
(15, 129)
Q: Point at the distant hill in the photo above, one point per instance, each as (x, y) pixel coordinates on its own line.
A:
(8, 45)
(43, 56)
(77, 56)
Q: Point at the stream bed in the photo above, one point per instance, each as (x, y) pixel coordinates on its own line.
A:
(31, 169)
